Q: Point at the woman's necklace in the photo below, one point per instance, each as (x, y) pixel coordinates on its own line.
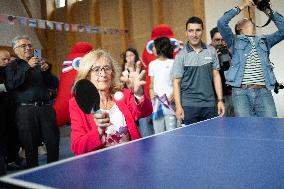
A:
(107, 104)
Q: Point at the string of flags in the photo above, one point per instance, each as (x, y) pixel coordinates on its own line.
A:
(58, 26)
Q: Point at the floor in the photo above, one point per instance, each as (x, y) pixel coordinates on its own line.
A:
(64, 147)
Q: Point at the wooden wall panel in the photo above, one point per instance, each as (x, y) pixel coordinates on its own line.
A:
(110, 19)
(176, 15)
(81, 15)
(58, 41)
(95, 20)
(123, 12)
(157, 11)
(142, 23)
(137, 16)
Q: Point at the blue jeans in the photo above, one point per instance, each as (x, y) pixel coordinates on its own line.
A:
(250, 102)
(165, 123)
(145, 126)
(196, 114)
(229, 108)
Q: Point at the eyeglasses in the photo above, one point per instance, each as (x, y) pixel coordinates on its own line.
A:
(24, 46)
(97, 70)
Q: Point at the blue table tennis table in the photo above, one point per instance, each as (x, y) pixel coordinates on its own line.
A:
(218, 153)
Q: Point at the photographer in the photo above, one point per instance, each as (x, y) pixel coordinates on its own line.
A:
(224, 57)
(29, 79)
(250, 73)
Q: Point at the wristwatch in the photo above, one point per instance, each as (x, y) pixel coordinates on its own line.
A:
(221, 100)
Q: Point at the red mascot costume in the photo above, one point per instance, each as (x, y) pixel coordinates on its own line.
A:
(148, 56)
(67, 77)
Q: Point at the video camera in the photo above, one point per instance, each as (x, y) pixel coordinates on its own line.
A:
(263, 5)
(278, 86)
(223, 56)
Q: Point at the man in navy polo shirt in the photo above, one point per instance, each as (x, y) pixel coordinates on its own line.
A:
(195, 76)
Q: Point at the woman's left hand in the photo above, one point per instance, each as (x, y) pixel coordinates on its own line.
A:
(135, 81)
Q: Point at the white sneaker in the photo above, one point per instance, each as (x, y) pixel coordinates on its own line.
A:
(42, 150)
(22, 153)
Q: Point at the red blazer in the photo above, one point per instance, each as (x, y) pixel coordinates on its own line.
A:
(84, 133)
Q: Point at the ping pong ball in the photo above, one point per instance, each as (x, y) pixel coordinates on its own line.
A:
(118, 96)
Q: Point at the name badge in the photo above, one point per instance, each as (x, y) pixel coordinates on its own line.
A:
(208, 58)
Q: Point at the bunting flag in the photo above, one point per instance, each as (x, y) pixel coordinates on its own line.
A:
(66, 27)
(3, 19)
(50, 25)
(12, 20)
(161, 107)
(32, 23)
(58, 26)
(41, 24)
(74, 27)
(81, 28)
(22, 21)
(88, 29)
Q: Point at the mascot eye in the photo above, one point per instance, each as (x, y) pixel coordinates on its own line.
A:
(176, 44)
(149, 47)
(76, 63)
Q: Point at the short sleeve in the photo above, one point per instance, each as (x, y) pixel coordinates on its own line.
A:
(150, 70)
(215, 60)
(178, 66)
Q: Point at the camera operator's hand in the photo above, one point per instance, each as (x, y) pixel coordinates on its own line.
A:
(33, 62)
(246, 3)
(268, 11)
(218, 50)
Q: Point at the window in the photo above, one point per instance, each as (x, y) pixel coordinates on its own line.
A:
(60, 3)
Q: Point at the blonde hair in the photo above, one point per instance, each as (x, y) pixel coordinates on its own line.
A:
(90, 59)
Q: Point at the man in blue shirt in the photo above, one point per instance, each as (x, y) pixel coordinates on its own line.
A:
(251, 73)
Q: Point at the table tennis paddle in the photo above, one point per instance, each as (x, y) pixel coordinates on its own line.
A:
(87, 96)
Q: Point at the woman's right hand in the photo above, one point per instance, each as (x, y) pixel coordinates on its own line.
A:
(102, 121)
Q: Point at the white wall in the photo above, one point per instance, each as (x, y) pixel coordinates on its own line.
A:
(214, 9)
(277, 52)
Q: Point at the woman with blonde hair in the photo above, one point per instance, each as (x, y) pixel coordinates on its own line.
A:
(115, 123)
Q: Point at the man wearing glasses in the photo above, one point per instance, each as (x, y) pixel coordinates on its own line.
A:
(28, 78)
(224, 57)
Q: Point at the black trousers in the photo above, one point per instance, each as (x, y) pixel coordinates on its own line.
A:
(36, 124)
(9, 143)
(2, 165)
